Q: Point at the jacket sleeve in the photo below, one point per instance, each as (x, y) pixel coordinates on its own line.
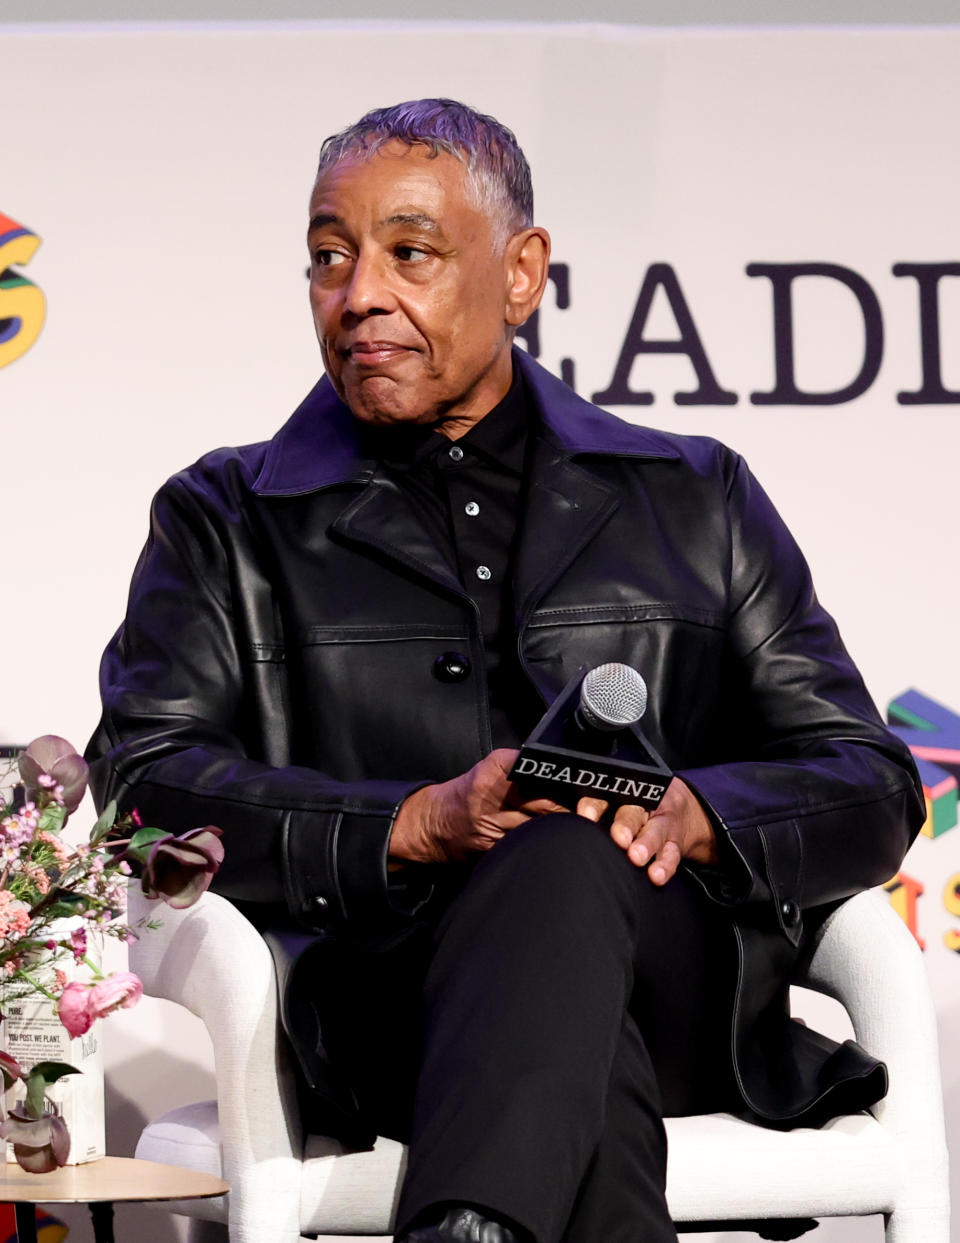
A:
(180, 740)
(829, 800)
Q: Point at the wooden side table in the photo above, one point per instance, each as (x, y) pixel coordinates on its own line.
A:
(100, 1184)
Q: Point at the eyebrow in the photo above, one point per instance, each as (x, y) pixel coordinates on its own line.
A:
(323, 218)
(418, 219)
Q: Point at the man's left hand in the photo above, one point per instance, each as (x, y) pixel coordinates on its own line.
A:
(678, 829)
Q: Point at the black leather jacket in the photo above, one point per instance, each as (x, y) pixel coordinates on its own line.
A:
(275, 675)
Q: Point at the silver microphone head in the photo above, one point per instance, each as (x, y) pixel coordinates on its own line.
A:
(612, 697)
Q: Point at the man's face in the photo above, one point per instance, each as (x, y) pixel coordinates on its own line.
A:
(408, 291)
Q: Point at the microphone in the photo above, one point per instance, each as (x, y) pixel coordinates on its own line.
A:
(613, 697)
(589, 742)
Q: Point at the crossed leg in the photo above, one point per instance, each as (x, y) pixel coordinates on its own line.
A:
(568, 1005)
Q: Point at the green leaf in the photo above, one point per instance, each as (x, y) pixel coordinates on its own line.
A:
(67, 901)
(146, 837)
(50, 1072)
(52, 818)
(104, 823)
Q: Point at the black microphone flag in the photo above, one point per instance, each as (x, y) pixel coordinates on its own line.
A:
(572, 753)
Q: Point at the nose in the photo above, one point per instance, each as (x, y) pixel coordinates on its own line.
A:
(368, 291)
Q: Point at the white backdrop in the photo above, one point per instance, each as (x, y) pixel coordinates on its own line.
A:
(166, 172)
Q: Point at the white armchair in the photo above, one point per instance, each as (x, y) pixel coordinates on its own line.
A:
(721, 1169)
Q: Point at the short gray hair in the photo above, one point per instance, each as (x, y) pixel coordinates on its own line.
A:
(497, 169)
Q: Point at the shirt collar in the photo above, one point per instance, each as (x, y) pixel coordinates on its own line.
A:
(497, 439)
(319, 445)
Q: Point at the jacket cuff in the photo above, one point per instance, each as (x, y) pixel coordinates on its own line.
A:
(336, 872)
(751, 871)
(738, 876)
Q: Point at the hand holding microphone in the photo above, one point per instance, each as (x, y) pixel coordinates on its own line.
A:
(449, 821)
(588, 740)
(658, 820)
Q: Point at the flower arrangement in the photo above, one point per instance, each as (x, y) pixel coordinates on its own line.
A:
(53, 896)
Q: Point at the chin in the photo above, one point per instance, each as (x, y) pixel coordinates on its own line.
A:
(389, 417)
(383, 405)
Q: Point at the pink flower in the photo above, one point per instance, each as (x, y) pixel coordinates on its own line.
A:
(37, 876)
(74, 1010)
(60, 852)
(56, 758)
(119, 991)
(14, 916)
(78, 943)
(179, 869)
(81, 1005)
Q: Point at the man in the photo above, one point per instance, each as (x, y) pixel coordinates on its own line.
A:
(336, 640)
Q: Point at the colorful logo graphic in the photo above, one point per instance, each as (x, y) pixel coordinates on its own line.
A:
(23, 307)
(932, 732)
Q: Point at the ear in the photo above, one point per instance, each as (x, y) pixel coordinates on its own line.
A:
(527, 262)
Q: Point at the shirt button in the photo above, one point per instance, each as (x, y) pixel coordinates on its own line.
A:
(455, 453)
(471, 509)
(483, 573)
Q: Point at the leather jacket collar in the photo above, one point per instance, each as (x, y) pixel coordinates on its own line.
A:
(318, 446)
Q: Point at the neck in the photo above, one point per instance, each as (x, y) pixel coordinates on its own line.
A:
(488, 392)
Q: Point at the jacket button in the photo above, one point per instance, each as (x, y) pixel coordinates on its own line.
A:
(319, 903)
(790, 912)
(451, 667)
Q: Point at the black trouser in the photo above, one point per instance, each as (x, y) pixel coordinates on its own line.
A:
(567, 1005)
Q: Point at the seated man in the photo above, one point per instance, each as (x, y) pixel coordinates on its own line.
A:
(335, 643)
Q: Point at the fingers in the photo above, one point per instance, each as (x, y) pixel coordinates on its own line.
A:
(628, 824)
(508, 820)
(648, 840)
(503, 758)
(665, 864)
(540, 807)
(659, 840)
(496, 770)
(651, 841)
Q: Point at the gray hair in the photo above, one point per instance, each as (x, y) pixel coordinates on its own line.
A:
(497, 170)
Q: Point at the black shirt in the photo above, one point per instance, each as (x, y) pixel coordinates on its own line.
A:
(469, 495)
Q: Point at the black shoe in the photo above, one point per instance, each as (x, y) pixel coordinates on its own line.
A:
(462, 1225)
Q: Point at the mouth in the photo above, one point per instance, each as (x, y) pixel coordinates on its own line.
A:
(374, 353)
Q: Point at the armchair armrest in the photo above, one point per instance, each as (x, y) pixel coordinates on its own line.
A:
(867, 959)
(210, 959)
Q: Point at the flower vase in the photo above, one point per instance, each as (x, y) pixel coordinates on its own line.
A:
(31, 1032)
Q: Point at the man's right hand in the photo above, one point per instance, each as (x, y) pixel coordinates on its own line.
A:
(450, 821)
